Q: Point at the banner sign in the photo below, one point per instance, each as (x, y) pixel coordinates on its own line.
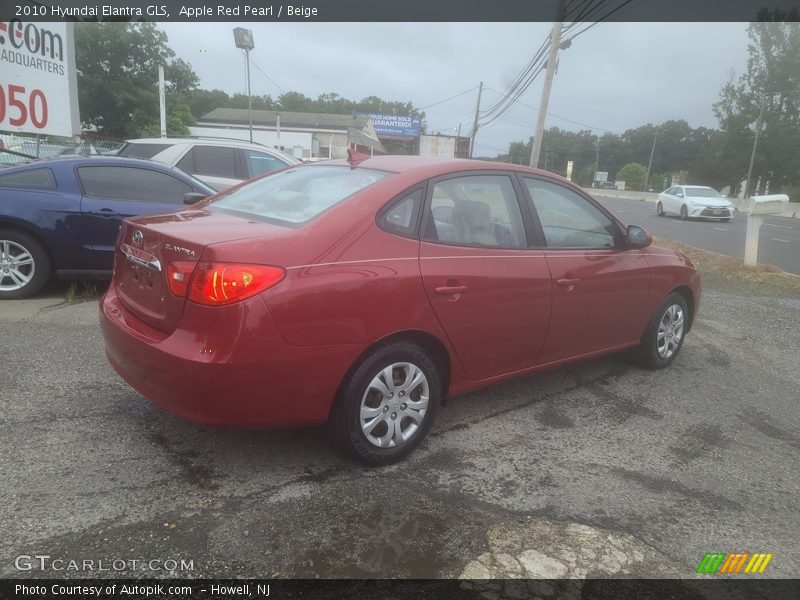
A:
(38, 85)
(395, 125)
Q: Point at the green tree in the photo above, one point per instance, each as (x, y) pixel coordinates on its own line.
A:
(633, 175)
(118, 78)
(770, 83)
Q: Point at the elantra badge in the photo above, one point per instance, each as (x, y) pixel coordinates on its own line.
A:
(137, 237)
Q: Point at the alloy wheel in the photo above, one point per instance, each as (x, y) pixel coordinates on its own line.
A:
(17, 266)
(670, 331)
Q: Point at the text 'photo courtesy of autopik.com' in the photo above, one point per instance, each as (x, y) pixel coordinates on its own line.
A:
(339, 299)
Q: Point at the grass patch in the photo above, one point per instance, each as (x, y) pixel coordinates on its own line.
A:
(79, 291)
(731, 274)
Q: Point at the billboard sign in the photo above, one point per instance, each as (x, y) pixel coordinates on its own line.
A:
(395, 125)
(38, 84)
(601, 175)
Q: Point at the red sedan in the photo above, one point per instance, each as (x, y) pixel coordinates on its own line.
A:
(363, 292)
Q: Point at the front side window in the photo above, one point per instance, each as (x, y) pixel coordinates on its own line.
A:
(569, 220)
(297, 195)
(142, 150)
(132, 183)
(476, 210)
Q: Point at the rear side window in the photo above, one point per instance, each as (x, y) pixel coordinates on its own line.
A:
(217, 161)
(142, 150)
(401, 216)
(132, 183)
(38, 179)
(297, 195)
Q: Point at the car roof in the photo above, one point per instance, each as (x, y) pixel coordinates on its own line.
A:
(86, 158)
(201, 141)
(697, 187)
(433, 165)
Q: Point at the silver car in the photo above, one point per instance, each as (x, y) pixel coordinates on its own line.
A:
(694, 201)
(220, 163)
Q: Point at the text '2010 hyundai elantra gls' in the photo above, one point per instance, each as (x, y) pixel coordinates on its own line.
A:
(363, 292)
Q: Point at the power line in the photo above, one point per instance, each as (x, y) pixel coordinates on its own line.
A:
(448, 99)
(252, 62)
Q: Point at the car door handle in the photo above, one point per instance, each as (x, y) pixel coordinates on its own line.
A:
(567, 282)
(108, 213)
(450, 290)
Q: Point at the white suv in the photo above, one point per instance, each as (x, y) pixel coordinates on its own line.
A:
(217, 162)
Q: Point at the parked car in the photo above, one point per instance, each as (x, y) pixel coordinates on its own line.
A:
(62, 216)
(220, 163)
(694, 201)
(365, 292)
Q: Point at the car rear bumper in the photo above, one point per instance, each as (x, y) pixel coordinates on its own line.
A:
(224, 365)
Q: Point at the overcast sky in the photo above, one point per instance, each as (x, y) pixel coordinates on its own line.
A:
(616, 76)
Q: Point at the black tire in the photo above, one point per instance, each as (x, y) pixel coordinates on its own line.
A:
(728, 220)
(346, 415)
(649, 354)
(684, 212)
(39, 269)
(660, 209)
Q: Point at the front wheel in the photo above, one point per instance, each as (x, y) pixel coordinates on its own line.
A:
(660, 209)
(24, 265)
(684, 212)
(664, 336)
(387, 404)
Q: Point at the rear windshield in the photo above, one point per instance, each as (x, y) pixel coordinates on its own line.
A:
(297, 195)
(702, 193)
(142, 150)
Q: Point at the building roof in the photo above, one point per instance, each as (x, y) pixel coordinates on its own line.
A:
(288, 119)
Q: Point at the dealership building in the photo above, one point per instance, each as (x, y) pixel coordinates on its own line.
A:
(304, 135)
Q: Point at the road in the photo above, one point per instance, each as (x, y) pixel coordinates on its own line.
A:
(601, 468)
(779, 240)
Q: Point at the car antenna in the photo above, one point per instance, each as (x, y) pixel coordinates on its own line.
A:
(354, 157)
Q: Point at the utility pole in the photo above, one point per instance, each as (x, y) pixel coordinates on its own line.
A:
(475, 123)
(555, 40)
(596, 162)
(755, 143)
(650, 164)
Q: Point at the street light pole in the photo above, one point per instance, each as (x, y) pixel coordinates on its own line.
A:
(249, 97)
(243, 39)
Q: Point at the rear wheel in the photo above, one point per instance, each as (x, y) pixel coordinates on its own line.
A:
(660, 209)
(684, 212)
(24, 265)
(664, 336)
(728, 220)
(387, 404)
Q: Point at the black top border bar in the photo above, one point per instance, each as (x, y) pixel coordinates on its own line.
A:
(401, 10)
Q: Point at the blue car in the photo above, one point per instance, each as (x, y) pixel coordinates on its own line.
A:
(61, 216)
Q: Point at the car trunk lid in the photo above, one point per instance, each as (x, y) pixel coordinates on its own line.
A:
(147, 247)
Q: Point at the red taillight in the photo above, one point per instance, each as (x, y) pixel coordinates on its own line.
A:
(178, 275)
(215, 284)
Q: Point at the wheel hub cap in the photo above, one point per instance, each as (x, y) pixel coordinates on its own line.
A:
(385, 420)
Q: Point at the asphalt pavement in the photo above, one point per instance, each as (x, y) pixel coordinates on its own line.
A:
(595, 469)
(779, 239)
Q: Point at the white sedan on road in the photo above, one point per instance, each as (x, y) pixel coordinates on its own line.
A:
(694, 201)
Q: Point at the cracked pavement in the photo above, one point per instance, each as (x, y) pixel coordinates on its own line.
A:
(701, 457)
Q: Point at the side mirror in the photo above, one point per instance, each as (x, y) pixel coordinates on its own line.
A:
(679, 194)
(638, 237)
(192, 197)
